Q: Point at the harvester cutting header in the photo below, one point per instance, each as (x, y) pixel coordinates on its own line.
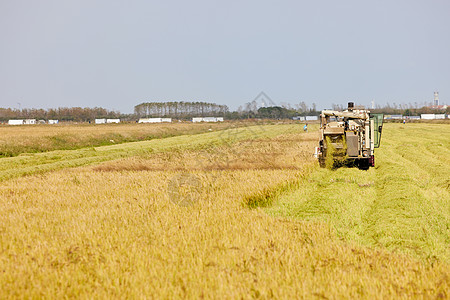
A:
(349, 137)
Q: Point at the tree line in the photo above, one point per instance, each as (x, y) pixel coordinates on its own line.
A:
(187, 110)
(260, 110)
(75, 114)
(409, 111)
(180, 109)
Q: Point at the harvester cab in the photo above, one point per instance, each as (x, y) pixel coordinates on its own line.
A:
(349, 137)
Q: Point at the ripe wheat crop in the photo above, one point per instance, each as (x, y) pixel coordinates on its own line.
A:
(15, 140)
(243, 213)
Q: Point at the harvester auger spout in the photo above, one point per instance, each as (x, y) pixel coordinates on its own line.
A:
(349, 137)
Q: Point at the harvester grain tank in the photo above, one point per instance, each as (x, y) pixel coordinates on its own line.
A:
(349, 137)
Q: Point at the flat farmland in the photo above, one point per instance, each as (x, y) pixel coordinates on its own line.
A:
(15, 140)
(240, 212)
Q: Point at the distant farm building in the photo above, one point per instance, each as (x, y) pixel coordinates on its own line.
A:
(100, 121)
(427, 116)
(53, 121)
(109, 121)
(150, 120)
(306, 118)
(439, 116)
(155, 120)
(15, 122)
(207, 119)
(393, 117)
(30, 122)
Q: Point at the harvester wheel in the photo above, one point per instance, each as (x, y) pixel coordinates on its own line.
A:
(322, 162)
(363, 164)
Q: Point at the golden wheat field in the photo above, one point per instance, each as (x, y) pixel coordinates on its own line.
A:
(15, 140)
(240, 212)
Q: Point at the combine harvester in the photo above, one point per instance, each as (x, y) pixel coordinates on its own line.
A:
(349, 137)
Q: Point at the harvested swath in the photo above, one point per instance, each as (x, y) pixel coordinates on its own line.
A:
(289, 151)
(403, 204)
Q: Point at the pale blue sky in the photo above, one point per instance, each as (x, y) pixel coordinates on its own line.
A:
(116, 54)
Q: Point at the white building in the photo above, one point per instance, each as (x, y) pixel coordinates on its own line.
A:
(100, 121)
(427, 116)
(207, 119)
(109, 121)
(30, 122)
(53, 121)
(150, 120)
(439, 116)
(311, 118)
(15, 122)
(155, 120)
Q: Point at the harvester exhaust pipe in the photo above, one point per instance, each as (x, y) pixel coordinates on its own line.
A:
(351, 105)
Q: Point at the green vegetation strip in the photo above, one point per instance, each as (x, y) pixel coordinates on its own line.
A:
(26, 164)
(402, 205)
